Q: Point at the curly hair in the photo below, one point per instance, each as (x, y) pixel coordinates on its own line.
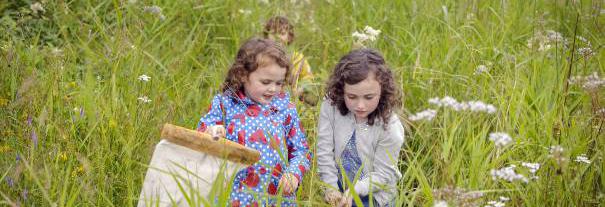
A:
(278, 24)
(254, 53)
(356, 67)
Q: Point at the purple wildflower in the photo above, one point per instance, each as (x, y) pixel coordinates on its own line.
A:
(34, 137)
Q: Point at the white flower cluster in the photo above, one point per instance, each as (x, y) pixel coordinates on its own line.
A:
(508, 174)
(144, 99)
(368, 33)
(586, 51)
(428, 114)
(500, 139)
(481, 69)
(37, 7)
(144, 78)
(244, 11)
(498, 203)
(440, 204)
(556, 153)
(155, 10)
(583, 158)
(546, 41)
(590, 82)
(474, 106)
(533, 167)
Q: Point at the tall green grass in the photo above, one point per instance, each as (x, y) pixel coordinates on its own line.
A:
(72, 70)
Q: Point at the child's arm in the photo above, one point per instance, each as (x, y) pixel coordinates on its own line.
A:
(325, 145)
(386, 157)
(213, 118)
(298, 148)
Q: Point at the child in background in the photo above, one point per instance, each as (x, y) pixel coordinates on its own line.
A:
(279, 29)
(259, 115)
(359, 132)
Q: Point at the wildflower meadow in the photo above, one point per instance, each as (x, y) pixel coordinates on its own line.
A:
(504, 101)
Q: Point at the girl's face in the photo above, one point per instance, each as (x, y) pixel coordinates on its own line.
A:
(362, 98)
(281, 36)
(265, 82)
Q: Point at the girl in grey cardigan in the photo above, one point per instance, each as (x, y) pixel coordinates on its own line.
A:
(360, 136)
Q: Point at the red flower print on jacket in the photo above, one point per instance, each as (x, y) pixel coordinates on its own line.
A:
(253, 110)
(230, 128)
(258, 136)
(241, 117)
(235, 203)
(292, 132)
(288, 120)
(275, 142)
(241, 137)
(272, 189)
(252, 178)
(276, 170)
(202, 127)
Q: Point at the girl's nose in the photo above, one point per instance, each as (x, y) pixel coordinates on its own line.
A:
(272, 88)
(361, 105)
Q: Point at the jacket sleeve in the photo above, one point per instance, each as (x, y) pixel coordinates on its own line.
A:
(326, 162)
(214, 115)
(298, 148)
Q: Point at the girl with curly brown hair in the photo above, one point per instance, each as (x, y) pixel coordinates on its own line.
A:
(359, 134)
(259, 115)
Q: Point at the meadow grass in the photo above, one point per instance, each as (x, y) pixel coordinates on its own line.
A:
(76, 131)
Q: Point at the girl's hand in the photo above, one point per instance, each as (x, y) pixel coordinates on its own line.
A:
(332, 197)
(217, 131)
(289, 183)
(346, 199)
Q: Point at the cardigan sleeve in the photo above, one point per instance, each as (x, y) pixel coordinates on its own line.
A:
(386, 171)
(326, 162)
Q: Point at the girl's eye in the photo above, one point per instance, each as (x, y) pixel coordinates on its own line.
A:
(279, 83)
(265, 82)
(369, 97)
(352, 97)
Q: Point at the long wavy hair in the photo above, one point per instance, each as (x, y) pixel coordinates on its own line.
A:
(254, 53)
(356, 67)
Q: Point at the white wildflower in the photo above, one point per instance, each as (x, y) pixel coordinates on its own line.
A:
(504, 199)
(508, 174)
(244, 11)
(533, 167)
(144, 99)
(428, 114)
(153, 9)
(556, 149)
(361, 37)
(585, 51)
(37, 7)
(500, 139)
(556, 152)
(368, 33)
(480, 69)
(583, 158)
(495, 204)
(56, 51)
(440, 204)
(371, 32)
(144, 78)
(473, 106)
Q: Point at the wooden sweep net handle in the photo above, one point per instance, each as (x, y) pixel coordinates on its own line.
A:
(204, 142)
